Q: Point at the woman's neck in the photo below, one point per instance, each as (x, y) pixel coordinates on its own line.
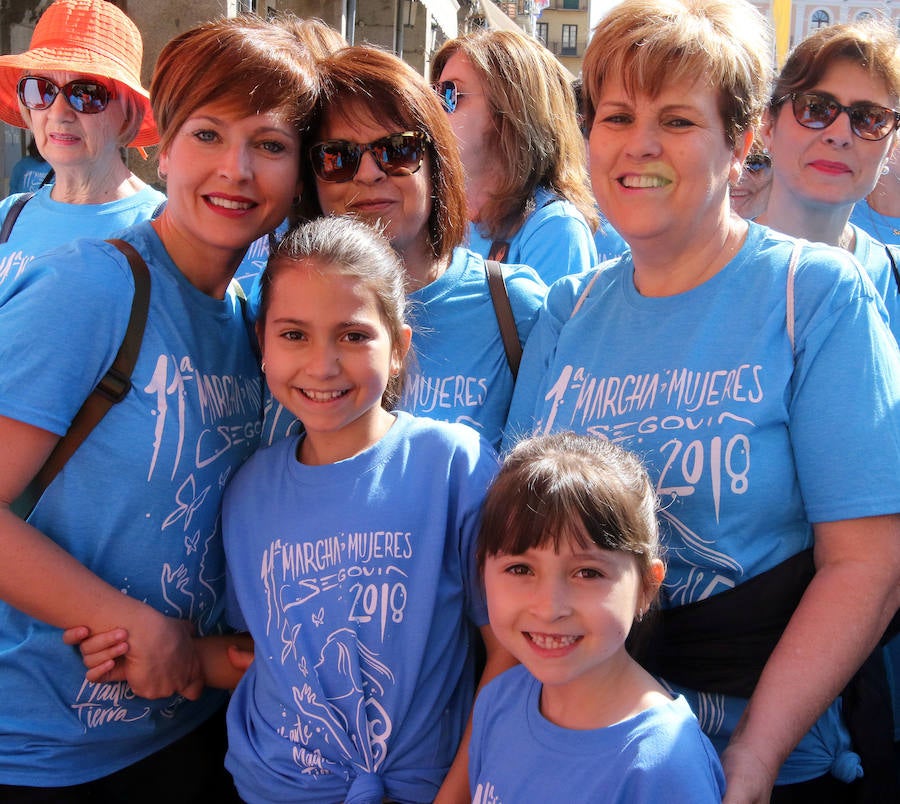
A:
(421, 266)
(885, 198)
(112, 183)
(665, 267)
(208, 269)
(823, 223)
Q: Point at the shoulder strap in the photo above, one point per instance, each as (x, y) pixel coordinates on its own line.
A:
(10, 220)
(112, 389)
(503, 310)
(894, 271)
(789, 293)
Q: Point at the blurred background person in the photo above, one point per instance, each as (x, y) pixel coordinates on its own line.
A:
(30, 172)
(77, 89)
(750, 193)
(512, 108)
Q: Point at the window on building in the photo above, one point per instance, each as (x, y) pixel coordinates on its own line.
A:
(569, 45)
(571, 4)
(543, 33)
(820, 19)
(863, 15)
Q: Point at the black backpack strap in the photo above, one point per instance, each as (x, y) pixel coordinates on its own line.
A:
(113, 388)
(10, 220)
(503, 310)
(893, 262)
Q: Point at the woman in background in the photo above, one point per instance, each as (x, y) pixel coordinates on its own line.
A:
(512, 109)
(78, 90)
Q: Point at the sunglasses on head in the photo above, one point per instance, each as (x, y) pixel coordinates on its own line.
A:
(449, 94)
(757, 161)
(86, 97)
(868, 121)
(396, 155)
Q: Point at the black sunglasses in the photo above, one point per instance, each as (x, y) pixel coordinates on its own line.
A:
(757, 161)
(868, 121)
(86, 97)
(396, 155)
(449, 94)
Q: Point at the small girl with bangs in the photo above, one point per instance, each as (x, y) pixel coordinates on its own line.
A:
(569, 549)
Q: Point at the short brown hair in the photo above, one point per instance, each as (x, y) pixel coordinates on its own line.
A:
(652, 43)
(535, 135)
(395, 95)
(570, 486)
(242, 63)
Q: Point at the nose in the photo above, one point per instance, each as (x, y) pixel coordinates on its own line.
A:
(368, 171)
(236, 164)
(839, 133)
(550, 599)
(322, 361)
(644, 142)
(60, 109)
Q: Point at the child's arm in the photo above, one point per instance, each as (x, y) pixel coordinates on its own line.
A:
(455, 789)
(223, 658)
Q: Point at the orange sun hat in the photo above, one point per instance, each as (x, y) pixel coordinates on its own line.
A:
(92, 37)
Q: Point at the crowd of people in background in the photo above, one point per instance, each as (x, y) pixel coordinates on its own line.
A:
(490, 437)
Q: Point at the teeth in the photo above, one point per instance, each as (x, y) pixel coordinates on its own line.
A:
(552, 641)
(227, 203)
(644, 181)
(323, 396)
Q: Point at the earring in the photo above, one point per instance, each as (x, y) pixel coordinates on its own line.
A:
(262, 367)
(640, 615)
(885, 170)
(162, 176)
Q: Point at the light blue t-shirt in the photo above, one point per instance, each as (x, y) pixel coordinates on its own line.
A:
(460, 372)
(357, 582)
(517, 756)
(608, 241)
(873, 256)
(884, 228)
(138, 503)
(555, 239)
(44, 224)
(747, 439)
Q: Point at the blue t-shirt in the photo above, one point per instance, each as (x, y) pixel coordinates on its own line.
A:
(873, 256)
(555, 239)
(884, 228)
(608, 241)
(138, 503)
(460, 371)
(658, 755)
(357, 582)
(44, 224)
(747, 439)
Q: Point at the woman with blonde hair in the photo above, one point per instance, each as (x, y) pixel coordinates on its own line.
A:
(512, 108)
(756, 377)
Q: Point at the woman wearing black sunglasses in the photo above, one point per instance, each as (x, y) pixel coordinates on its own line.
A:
(830, 128)
(756, 377)
(383, 150)
(78, 90)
